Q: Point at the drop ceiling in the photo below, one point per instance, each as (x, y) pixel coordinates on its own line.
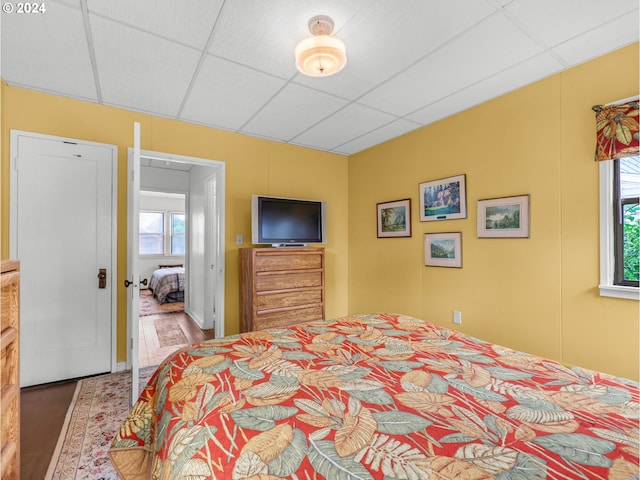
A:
(229, 64)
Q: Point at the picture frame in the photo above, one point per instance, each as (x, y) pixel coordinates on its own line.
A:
(443, 249)
(504, 217)
(394, 218)
(443, 199)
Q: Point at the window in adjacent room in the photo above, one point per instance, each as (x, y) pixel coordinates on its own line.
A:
(177, 233)
(162, 233)
(151, 233)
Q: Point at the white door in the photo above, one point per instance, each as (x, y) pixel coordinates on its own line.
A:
(133, 268)
(63, 233)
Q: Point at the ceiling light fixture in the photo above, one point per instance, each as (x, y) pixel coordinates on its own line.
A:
(321, 55)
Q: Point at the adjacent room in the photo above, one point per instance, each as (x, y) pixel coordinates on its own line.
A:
(364, 239)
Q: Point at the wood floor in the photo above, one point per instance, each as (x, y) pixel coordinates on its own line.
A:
(42, 412)
(163, 334)
(43, 408)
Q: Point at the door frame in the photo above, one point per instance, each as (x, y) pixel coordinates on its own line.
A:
(217, 278)
(112, 277)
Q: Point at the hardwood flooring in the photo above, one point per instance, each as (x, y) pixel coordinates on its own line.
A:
(163, 334)
(43, 408)
(42, 412)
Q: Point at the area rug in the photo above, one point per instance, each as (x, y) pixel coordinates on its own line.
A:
(149, 305)
(97, 409)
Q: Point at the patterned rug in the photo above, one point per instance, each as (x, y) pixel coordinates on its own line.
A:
(97, 409)
(149, 305)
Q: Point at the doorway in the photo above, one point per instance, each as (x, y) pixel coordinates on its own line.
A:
(201, 183)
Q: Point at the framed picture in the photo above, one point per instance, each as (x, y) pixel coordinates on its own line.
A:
(506, 217)
(443, 249)
(443, 199)
(394, 218)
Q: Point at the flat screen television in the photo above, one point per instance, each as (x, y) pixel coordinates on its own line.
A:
(286, 222)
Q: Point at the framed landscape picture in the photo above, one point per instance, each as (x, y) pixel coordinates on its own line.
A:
(443, 199)
(394, 218)
(443, 249)
(506, 217)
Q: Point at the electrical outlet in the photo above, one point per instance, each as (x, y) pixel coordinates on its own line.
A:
(457, 317)
(239, 239)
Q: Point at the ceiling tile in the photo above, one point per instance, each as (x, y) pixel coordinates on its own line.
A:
(189, 22)
(139, 70)
(296, 108)
(48, 51)
(377, 136)
(228, 95)
(553, 21)
(350, 122)
(621, 31)
(531, 70)
(467, 59)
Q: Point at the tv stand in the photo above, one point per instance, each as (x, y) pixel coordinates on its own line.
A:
(280, 287)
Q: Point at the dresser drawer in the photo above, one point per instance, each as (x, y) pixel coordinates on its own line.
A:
(288, 280)
(292, 261)
(285, 318)
(288, 299)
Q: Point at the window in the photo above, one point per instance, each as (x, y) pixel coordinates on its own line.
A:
(177, 233)
(626, 215)
(619, 230)
(162, 233)
(151, 233)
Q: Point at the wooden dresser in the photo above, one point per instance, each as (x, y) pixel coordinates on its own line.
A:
(280, 286)
(10, 370)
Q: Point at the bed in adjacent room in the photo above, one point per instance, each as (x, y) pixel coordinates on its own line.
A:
(376, 397)
(167, 283)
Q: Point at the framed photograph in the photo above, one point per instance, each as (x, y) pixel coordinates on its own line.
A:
(443, 199)
(394, 218)
(506, 217)
(443, 249)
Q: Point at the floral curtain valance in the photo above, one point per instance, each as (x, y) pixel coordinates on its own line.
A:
(617, 130)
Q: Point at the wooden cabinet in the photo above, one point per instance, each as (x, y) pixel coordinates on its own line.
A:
(280, 286)
(10, 370)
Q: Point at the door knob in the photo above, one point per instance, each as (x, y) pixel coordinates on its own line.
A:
(102, 278)
(127, 283)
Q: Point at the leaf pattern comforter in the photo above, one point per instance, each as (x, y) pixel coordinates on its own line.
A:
(376, 397)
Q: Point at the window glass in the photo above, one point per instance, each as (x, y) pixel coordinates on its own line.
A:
(177, 233)
(627, 233)
(151, 233)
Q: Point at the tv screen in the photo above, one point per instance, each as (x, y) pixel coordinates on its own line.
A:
(287, 221)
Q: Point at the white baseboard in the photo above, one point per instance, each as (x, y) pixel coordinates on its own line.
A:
(195, 318)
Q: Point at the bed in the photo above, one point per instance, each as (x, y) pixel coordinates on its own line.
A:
(375, 396)
(167, 284)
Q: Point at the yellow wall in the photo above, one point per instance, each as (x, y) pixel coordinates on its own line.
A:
(253, 166)
(538, 294)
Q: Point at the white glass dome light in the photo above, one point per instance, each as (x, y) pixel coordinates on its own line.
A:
(321, 55)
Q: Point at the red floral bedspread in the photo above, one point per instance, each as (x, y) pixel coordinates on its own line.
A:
(376, 396)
